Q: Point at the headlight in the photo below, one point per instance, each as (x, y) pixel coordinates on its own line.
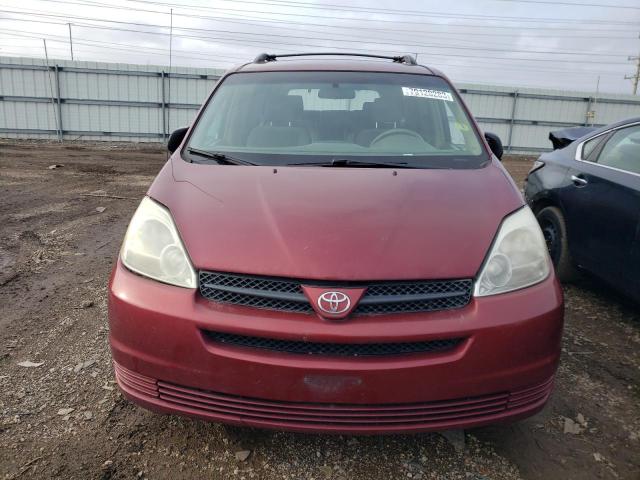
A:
(152, 247)
(518, 257)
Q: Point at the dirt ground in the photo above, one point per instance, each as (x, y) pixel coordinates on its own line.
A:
(61, 416)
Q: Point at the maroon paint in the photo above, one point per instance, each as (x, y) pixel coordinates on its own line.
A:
(513, 341)
(335, 224)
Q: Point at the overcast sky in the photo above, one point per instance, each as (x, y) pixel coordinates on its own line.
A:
(506, 42)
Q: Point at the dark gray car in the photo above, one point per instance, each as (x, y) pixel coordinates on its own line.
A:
(586, 197)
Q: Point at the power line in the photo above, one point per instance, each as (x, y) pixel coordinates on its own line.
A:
(409, 46)
(438, 63)
(236, 42)
(238, 39)
(306, 30)
(122, 47)
(495, 64)
(244, 12)
(387, 11)
(163, 52)
(209, 39)
(244, 17)
(262, 20)
(571, 4)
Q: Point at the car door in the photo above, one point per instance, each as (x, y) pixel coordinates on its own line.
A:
(602, 206)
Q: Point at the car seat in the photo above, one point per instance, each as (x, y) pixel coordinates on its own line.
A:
(280, 127)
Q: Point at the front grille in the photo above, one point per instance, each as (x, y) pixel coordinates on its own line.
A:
(408, 297)
(272, 294)
(286, 295)
(334, 349)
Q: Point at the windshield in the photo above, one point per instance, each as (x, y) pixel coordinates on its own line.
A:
(280, 118)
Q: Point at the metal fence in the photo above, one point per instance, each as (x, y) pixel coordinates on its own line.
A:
(68, 100)
(523, 117)
(98, 101)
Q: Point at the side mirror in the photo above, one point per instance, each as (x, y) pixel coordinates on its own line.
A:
(495, 144)
(176, 139)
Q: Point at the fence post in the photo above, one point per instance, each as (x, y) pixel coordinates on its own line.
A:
(163, 103)
(512, 120)
(588, 114)
(59, 102)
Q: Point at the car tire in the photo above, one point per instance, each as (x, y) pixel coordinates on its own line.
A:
(554, 229)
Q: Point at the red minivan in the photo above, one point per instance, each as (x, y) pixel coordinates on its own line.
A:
(334, 246)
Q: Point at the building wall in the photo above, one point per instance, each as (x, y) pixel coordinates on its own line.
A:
(143, 103)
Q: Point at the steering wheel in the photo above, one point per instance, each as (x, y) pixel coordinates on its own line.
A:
(397, 132)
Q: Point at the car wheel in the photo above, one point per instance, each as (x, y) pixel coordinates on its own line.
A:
(554, 229)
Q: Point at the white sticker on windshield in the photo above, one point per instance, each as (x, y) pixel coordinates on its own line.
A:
(426, 93)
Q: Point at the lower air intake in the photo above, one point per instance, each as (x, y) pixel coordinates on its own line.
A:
(333, 349)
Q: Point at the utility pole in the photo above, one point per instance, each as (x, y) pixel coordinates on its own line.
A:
(595, 102)
(634, 78)
(170, 38)
(70, 41)
(168, 126)
(53, 102)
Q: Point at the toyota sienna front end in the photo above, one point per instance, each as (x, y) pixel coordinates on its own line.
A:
(334, 247)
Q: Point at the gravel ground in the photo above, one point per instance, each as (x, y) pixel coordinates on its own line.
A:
(61, 415)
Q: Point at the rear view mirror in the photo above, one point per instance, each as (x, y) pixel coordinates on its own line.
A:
(495, 144)
(337, 93)
(176, 139)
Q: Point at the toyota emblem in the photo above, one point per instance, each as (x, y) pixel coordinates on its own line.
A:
(334, 303)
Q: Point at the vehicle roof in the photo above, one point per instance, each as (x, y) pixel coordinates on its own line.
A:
(609, 126)
(621, 122)
(357, 65)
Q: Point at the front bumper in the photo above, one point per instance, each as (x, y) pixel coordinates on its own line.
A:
(502, 371)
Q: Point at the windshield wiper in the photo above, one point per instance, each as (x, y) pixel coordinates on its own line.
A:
(219, 157)
(348, 162)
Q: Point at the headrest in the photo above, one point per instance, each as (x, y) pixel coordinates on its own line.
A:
(387, 109)
(284, 109)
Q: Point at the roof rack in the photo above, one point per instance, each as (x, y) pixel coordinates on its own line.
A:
(269, 57)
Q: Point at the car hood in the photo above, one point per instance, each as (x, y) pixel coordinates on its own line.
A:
(336, 223)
